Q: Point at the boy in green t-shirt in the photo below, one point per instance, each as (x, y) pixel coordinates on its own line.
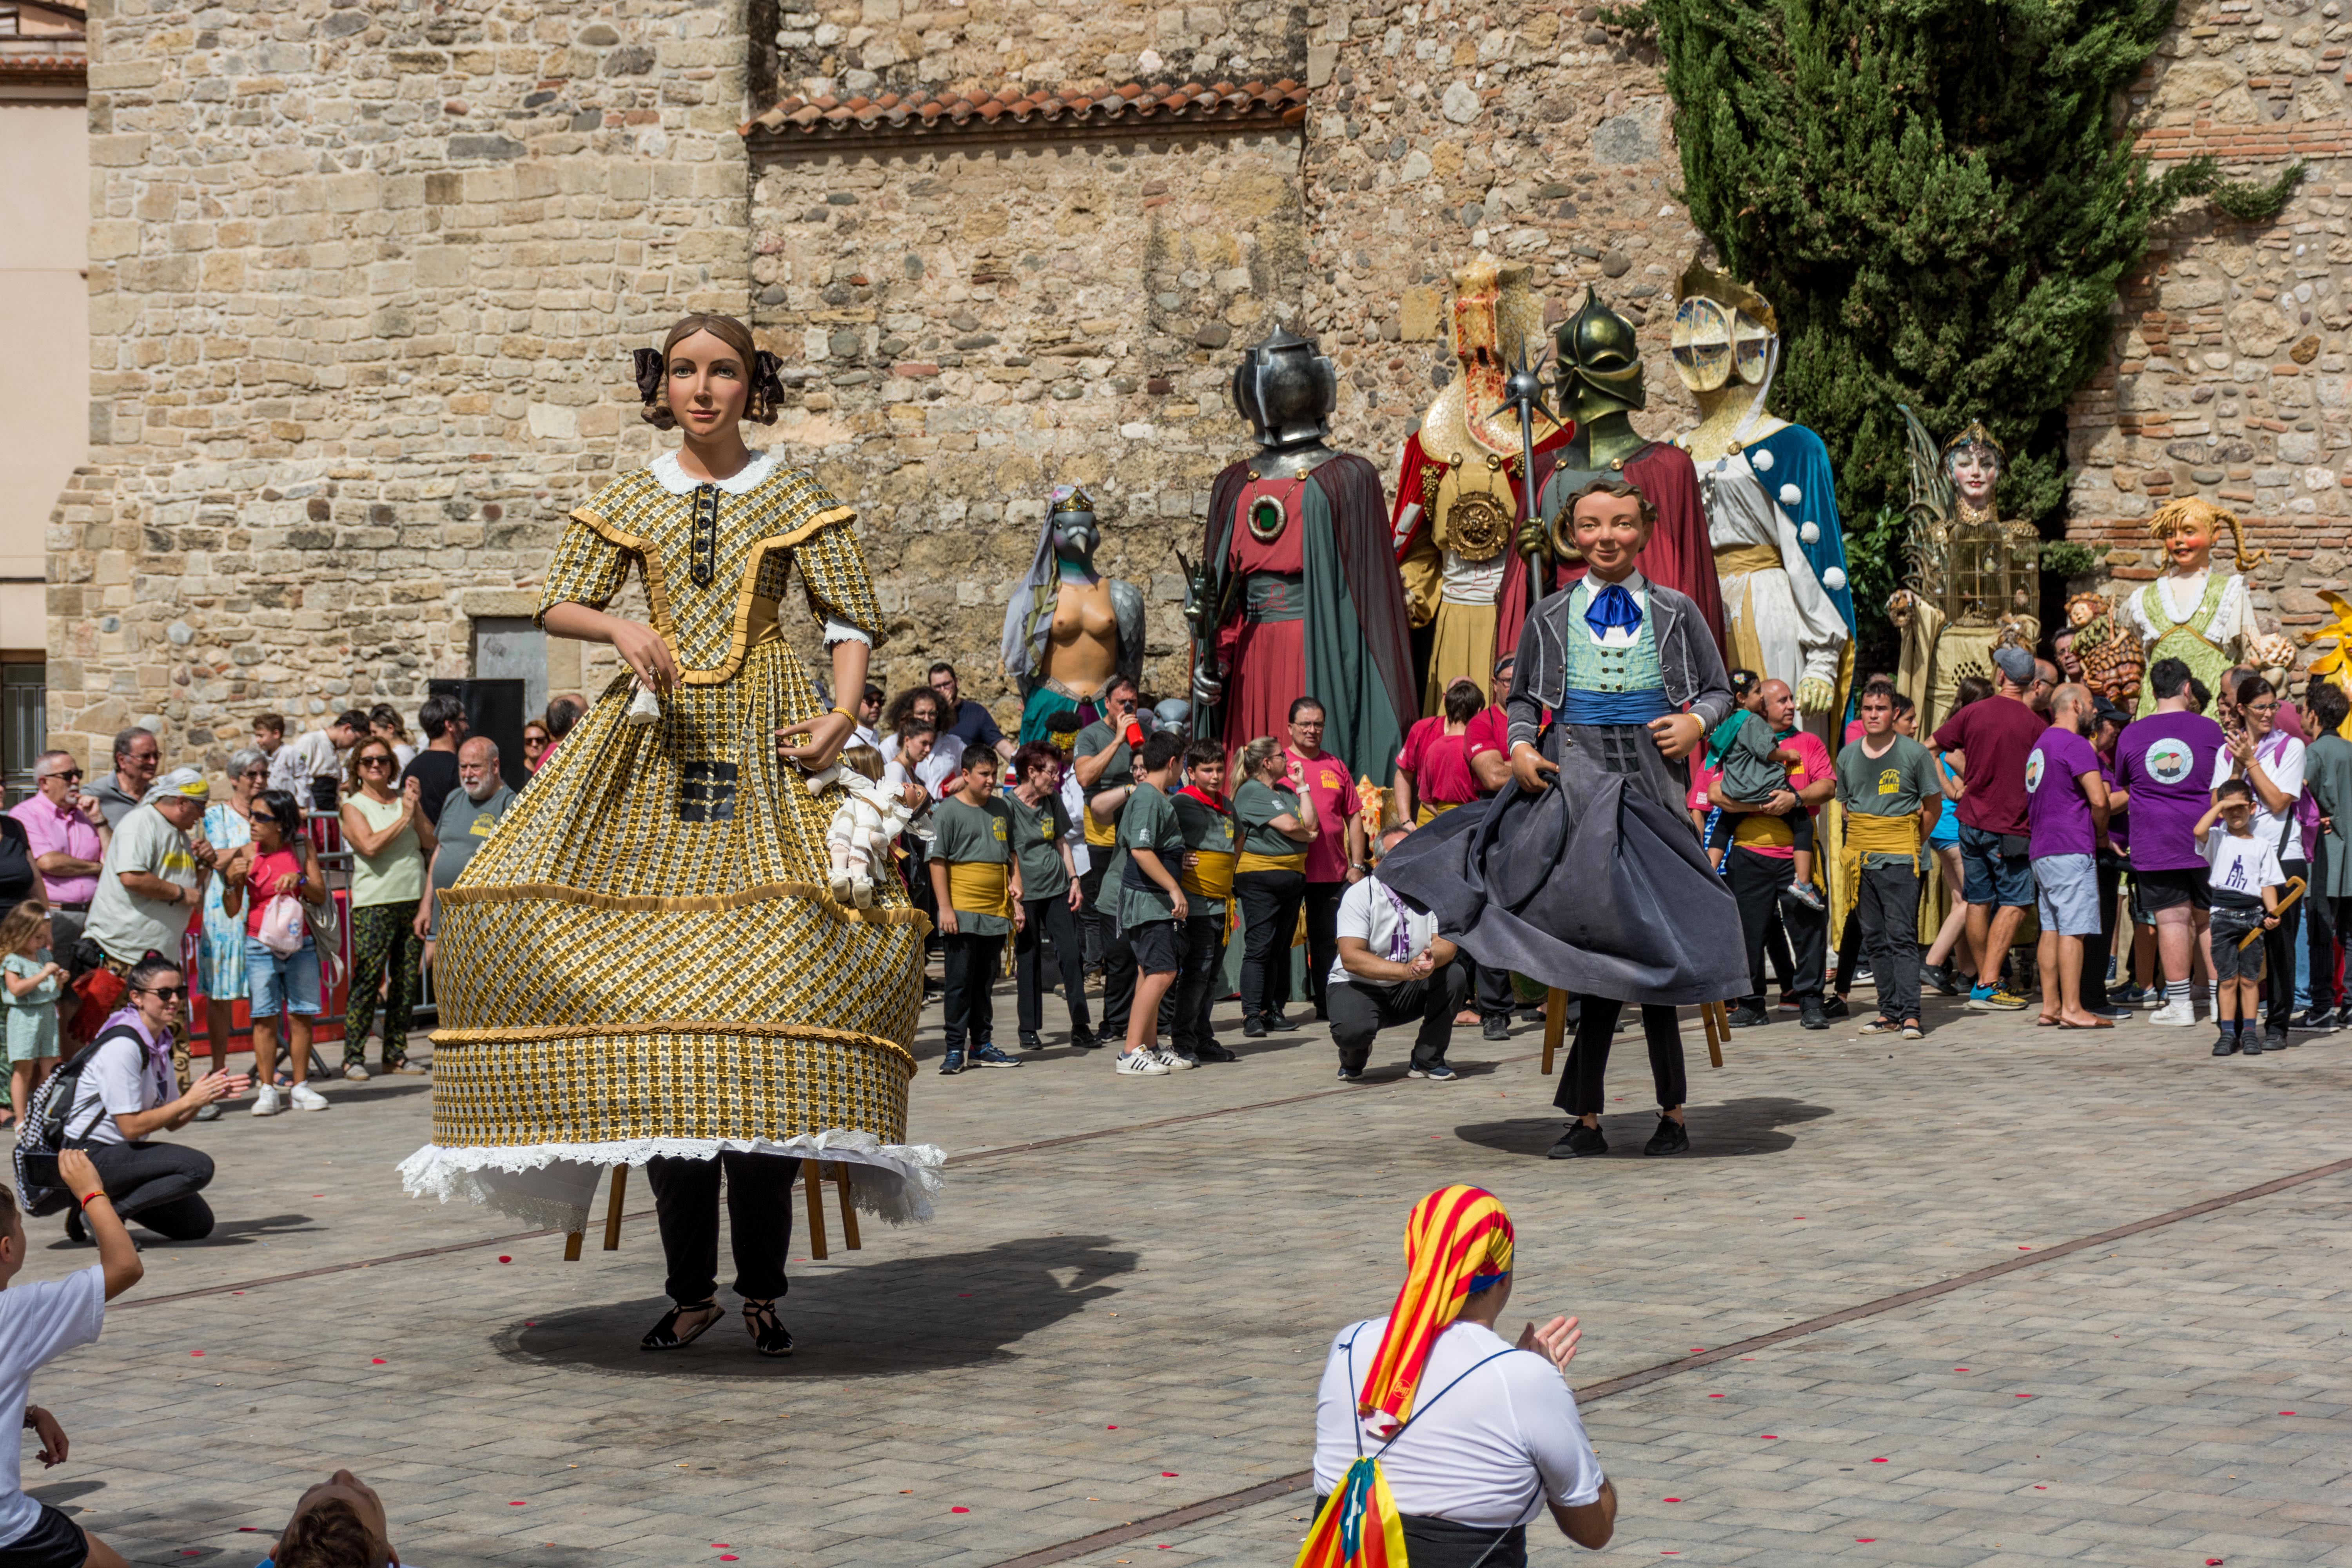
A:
(1211, 845)
(1151, 907)
(977, 880)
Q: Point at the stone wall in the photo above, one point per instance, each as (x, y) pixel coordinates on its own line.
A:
(362, 277)
(2230, 378)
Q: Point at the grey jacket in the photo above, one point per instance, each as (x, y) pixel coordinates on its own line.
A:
(1688, 660)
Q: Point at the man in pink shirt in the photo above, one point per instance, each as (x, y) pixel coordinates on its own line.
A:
(69, 838)
(1336, 856)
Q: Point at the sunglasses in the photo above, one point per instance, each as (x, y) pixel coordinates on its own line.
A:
(73, 773)
(168, 993)
(375, 761)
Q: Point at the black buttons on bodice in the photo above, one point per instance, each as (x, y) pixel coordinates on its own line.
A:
(703, 559)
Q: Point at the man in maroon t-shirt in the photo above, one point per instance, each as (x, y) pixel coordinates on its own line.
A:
(1989, 742)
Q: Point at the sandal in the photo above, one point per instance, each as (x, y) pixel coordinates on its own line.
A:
(663, 1335)
(768, 1335)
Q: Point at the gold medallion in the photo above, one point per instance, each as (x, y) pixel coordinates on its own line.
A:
(1477, 529)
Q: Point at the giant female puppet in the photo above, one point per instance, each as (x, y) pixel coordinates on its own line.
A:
(643, 965)
(1297, 592)
(2195, 612)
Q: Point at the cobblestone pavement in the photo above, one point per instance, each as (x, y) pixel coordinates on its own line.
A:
(1130, 1318)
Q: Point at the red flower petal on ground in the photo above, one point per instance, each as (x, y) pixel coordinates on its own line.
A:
(1772, 1437)
(1110, 1429)
(1697, 1349)
(958, 1510)
(1715, 1397)
(1670, 1500)
(2212, 1562)
(377, 1362)
(504, 1259)
(1169, 1473)
(514, 1505)
(2025, 1396)
(2286, 1412)
(1878, 1462)
(1863, 1540)
(195, 1353)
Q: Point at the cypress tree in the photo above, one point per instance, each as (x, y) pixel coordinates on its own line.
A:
(1937, 200)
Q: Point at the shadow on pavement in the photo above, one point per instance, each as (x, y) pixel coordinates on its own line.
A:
(886, 1319)
(1735, 1128)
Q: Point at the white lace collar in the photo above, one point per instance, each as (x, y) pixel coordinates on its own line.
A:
(743, 481)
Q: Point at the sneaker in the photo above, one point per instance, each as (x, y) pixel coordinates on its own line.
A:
(1212, 1052)
(1578, 1142)
(1939, 978)
(1281, 1024)
(2126, 995)
(1835, 1007)
(1994, 999)
(2250, 1044)
(1808, 1013)
(1441, 1073)
(952, 1064)
(305, 1098)
(1495, 1030)
(1140, 1064)
(2227, 1046)
(2112, 1014)
(1806, 896)
(1351, 1075)
(1746, 1017)
(1912, 1031)
(2315, 1021)
(1030, 1042)
(1788, 1001)
(1177, 1061)
(1881, 1024)
(1253, 1029)
(2274, 1037)
(356, 1073)
(1671, 1138)
(2175, 1014)
(1085, 1040)
(76, 1232)
(988, 1056)
(264, 1103)
(208, 1112)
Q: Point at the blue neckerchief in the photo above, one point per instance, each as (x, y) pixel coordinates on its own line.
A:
(1612, 608)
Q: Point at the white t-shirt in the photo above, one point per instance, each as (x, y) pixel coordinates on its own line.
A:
(933, 772)
(2244, 866)
(124, 1079)
(2278, 829)
(1489, 1452)
(39, 1323)
(1366, 911)
(1074, 806)
(124, 925)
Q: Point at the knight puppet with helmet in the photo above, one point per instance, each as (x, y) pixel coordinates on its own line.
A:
(1460, 493)
(1770, 500)
(1598, 378)
(1297, 591)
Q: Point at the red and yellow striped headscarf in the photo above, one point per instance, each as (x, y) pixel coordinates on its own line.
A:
(1458, 1242)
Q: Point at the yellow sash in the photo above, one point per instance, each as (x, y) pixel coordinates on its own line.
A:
(1100, 833)
(1866, 834)
(1429, 811)
(1213, 877)
(981, 887)
(1252, 861)
(1738, 560)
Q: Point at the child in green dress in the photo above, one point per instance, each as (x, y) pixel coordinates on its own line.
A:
(29, 986)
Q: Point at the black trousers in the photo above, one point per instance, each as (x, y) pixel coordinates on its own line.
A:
(2097, 950)
(2278, 950)
(1050, 920)
(1580, 1092)
(1886, 902)
(971, 1009)
(1496, 999)
(1359, 1010)
(1755, 882)
(157, 1184)
(1269, 902)
(1094, 923)
(1196, 982)
(758, 1222)
(1322, 901)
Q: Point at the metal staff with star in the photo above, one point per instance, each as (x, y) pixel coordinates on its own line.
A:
(1523, 395)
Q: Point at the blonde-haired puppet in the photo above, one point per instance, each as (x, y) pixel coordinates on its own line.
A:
(2193, 613)
(863, 826)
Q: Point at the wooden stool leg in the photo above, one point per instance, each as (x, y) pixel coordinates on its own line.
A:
(815, 1209)
(572, 1239)
(1555, 1024)
(1713, 1040)
(849, 1209)
(612, 1209)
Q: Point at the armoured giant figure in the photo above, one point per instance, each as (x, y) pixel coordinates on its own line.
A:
(1598, 373)
(1297, 591)
(1770, 500)
(1069, 629)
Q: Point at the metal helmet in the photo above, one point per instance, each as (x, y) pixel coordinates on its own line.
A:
(1599, 362)
(1286, 390)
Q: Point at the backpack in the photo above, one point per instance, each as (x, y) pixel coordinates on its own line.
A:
(43, 1132)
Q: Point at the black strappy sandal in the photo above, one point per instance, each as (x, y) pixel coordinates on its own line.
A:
(768, 1335)
(663, 1335)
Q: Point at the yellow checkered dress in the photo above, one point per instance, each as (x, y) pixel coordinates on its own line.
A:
(645, 958)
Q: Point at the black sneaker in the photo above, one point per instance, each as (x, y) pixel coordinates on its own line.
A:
(1210, 1051)
(1671, 1138)
(1254, 1029)
(1496, 1029)
(2227, 1046)
(1030, 1042)
(1808, 1014)
(1939, 978)
(952, 1064)
(988, 1056)
(1275, 1021)
(2315, 1021)
(1744, 1017)
(2274, 1037)
(1085, 1040)
(2250, 1044)
(76, 1232)
(1580, 1142)
(1835, 1007)
(1351, 1075)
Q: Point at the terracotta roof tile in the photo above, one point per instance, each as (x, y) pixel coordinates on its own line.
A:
(1079, 108)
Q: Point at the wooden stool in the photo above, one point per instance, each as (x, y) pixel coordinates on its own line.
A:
(813, 1169)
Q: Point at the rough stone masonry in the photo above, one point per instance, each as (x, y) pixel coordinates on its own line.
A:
(364, 277)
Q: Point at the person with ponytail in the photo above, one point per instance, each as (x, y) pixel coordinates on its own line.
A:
(1437, 1440)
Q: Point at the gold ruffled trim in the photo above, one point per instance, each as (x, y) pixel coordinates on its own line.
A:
(672, 1026)
(655, 903)
(657, 592)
